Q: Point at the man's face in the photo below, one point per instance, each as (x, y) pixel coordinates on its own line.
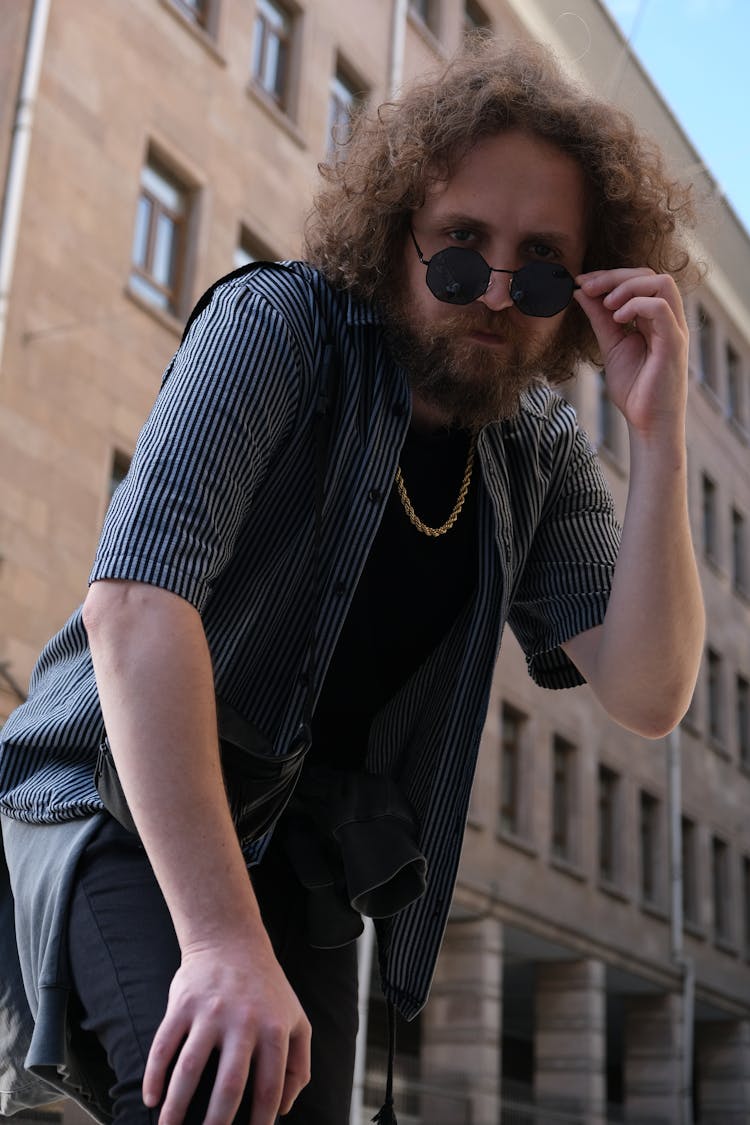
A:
(516, 199)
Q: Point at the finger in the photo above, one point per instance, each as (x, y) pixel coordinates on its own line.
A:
(269, 1067)
(655, 286)
(598, 282)
(655, 310)
(166, 1043)
(297, 1069)
(229, 1085)
(187, 1072)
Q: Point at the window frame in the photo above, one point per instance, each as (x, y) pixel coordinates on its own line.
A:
(721, 891)
(715, 696)
(650, 858)
(280, 93)
(563, 845)
(613, 788)
(709, 518)
(513, 822)
(142, 281)
(339, 110)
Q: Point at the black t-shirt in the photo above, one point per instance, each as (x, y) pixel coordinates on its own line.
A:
(412, 588)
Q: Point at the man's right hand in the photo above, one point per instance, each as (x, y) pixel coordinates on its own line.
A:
(235, 999)
(155, 680)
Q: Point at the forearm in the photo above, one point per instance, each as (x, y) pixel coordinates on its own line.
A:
(155, 682)
(647, 652)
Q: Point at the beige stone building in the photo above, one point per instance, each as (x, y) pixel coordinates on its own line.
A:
(596, 965)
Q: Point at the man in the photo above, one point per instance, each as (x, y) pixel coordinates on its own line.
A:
(490, 229)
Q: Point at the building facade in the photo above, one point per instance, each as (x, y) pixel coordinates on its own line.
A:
(597, 962)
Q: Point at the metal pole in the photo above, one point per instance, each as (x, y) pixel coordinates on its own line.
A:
(365, 948)
(683, 963)
(19, 155)
(396, 53)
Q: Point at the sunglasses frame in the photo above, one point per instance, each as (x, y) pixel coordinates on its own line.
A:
(515, 286)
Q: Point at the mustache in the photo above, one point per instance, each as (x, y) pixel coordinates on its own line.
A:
(476, 319)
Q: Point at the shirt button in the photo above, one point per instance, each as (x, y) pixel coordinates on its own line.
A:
(374, 494)
(339, 588)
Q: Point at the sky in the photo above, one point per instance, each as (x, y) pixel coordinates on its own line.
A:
(697, 53)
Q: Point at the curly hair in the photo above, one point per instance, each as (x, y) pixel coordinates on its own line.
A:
(637, 214)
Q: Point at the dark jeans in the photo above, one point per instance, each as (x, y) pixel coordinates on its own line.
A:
(124, 953)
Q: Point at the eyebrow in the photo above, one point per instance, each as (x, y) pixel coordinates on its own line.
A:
(462, 219)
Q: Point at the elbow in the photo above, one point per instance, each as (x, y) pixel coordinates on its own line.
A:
(655, 718)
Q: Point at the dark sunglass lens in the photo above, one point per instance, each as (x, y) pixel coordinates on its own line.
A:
(541, 289)
(457, 276)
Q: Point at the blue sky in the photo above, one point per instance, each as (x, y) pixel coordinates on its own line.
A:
(697, 53)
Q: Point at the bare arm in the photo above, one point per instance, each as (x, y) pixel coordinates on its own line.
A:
(643, 660)
(155, 682)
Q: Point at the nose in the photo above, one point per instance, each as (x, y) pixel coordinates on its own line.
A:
(497, 295)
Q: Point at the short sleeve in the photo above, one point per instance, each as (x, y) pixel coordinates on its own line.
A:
(231, 393)
(565, 583)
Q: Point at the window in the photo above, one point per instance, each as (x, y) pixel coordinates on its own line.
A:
(195, 10)
(513, 724)
(563, 794)
(743, 721)
(720, 889)
(345, 93)
(427, 11)
(475, 18)
(739, 552)
(706, 346)
(710, 534)
(735, 389)
(118, 471)
(609, 785)
(715, 699)
(650, 815)
(608, 424)
(271, 50)
(160, 237)
(690, 901)
(250, 249)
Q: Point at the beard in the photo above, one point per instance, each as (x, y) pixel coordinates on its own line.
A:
(472, 384)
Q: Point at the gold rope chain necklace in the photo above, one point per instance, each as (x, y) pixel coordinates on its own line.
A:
(409, 507)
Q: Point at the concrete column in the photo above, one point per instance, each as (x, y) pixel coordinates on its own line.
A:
(724, 1072)
(462, 1026)
(653, 1059)
(570, 1038)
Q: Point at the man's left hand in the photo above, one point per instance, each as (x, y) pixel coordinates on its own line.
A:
(639, 322)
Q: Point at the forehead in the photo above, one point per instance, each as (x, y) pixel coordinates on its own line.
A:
(513, 179)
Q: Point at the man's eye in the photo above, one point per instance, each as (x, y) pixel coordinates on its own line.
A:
(541, 250)
(461, 235)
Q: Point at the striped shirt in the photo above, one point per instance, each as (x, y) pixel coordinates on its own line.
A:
(218, 508)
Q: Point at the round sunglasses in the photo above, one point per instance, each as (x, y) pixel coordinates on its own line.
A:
(459, 276)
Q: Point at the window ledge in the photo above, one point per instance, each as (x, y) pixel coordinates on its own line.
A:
(711, 396)
(200, 34)
(739, 429)
(742, 593)
(655, 910)
(277, 115)
(612, 459)
(726, 945)
(690, 725)
(429, 36)
(567, 867)
(166, 319)
(613, 890)
(518, 842)
(694, 929)
(719, 747)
